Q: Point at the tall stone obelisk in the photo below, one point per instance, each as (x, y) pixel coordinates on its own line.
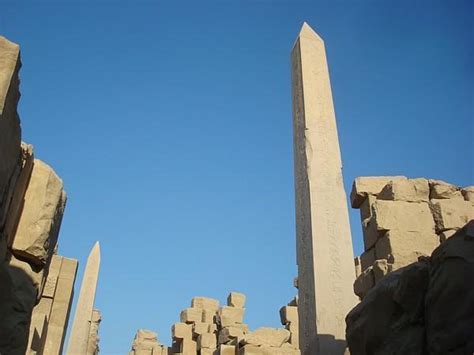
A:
(83, 317)
(324, 245)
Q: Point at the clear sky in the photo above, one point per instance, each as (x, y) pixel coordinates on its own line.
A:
(170, 124)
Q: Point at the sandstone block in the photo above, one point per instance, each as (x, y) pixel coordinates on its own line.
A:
(468, 193)
(443, 190)
(207, 340)
(53, 274)
(288, 314)
(230, 315)
(236, 299)
(39, 223)
(293, 328)
(366, 207)
(401, 248)
(188, 347)
(452, 213)
(205, 303)
(369, 185)
(267, 350)
(401, 215)
(10, 131)
(370, 232)
(200, 328)
(230, 335)
(208, 315)
(367, 258)
(364, 282)
(182, 331)
(272, 337)
(228, 349)
(191, 315)
(38, 326)
(410, 190)
(205, 351)
(381, 268)
(32, 278)
(18, 192)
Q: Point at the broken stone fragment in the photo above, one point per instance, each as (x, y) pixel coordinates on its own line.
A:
(40, 220)
(230, 335)
(364, 282)
(272, 337)
(409, 190)
(367, 258)
(468, 193)
(452, 213)
(381, 268)
(236, 299)
(288, 314)
(443, 190)
(369, 185)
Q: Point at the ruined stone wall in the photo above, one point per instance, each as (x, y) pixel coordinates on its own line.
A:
(32, 202)
(403, 219)
(206, 328)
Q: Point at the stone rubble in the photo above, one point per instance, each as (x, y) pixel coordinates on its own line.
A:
(402, 220)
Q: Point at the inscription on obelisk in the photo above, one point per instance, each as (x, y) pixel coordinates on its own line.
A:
(324, 247)
(83, 317)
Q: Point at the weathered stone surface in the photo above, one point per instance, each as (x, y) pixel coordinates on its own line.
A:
(207, 340)
(449, 306)
(401, 248)
(366, 207)
(369, 185)
(61, 308)
(146, 343)
(200, 328)
(274, 337)
(468, 193)
(209, 315)
(288, 314)
(381, 268)
(230, 315)
(443, 190)
(38, 326)
(367, 258)
(182, 331)
(452, 213)
(53, 273)
(231, 335)
(227, 350)
(39, 223)
(370, 232)
(410, 190)
(364, 282)
(93, 342)
(10, 131)
(18, 192)
(267, 350)
(205, 303)
(324, 247)
(399, 215)
(206, 351)
(294, 340)
(236, 299)
(389, 318)
(191, 315)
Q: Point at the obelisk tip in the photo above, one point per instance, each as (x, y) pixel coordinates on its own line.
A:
(307, 32)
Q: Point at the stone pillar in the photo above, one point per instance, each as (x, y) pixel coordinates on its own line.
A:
(324, 246)
(85, 304)
(93, 343)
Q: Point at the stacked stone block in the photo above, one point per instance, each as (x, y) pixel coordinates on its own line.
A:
(146, 343)
(289, 318)
(402, 220)
(32, 202)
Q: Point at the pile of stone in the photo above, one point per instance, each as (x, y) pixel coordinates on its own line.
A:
(206, 328)
(404, 219)
(32, 202)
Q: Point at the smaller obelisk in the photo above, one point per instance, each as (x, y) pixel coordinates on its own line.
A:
(82, 319)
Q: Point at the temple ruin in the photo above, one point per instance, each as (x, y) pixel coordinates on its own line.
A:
(410, 292)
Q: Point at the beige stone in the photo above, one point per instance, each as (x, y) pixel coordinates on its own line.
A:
(367, 258)
(370, 232)
(182, 331)
(208, 315)
(207, 340)
(39, 326)
(10, 131)
(93, 342)
(409, 216)
(409, 190)
(468, 193)
(39, 223)
(191, 315)
(364, 282)
(267, 350)
(18, 192)
(401, 248)
(443, 190)
(236, 299)
(274, 337)
(228, 349)
(231, 335)
(293, 328)
(188, 347)
(288, 314)
(380, 268)
(53, 274)
(366, 207)
(200, 328)
(369, 185)
(206, 351)
(85, 304)
(61, 307)
(230, 315)
(324, 247)
(452, 213)
(146, 343)
(205, 303)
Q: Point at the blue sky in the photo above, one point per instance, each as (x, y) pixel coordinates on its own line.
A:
(170, 124)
